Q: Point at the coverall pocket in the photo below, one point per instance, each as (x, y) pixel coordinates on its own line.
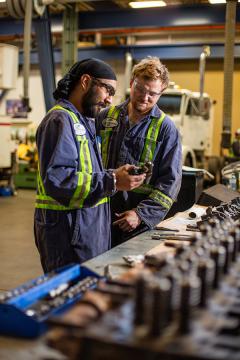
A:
(47, 218)
(53, 241)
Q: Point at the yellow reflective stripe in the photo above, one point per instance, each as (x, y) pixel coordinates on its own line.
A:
(161, 198)
(40, 183)
(88, 157)
(84, 178)
(87, 179)
(87, 173)
(82, 190)
(110, 111)
(103, 201)
(49, 207)
(82, 155)
(154, 194)
(150, 141)
(78, 193)
(45, 197)
(46, 202)
(59, 107)
(105, 136)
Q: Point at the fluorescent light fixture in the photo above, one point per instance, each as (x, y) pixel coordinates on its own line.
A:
(2, 1)
(146, 4)
(218, 1)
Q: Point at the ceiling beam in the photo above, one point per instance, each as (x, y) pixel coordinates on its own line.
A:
(165, 52)
(167, 17)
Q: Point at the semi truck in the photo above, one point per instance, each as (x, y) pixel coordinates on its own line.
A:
(193, 115)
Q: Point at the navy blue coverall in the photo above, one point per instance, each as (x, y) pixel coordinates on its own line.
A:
(72, 215)
(155, 138)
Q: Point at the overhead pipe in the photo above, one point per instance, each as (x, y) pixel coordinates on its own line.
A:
(228, 72)
(25, 9)
(18, 10)
(128, 71)
(133, 31)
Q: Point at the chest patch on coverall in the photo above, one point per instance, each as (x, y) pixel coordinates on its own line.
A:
(79, 129)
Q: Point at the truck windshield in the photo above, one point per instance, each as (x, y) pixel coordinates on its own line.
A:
(194, 108)
(170, 104)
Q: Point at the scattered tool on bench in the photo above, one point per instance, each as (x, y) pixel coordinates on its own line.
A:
(172, 237)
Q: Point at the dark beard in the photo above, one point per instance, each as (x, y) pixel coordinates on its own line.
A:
(90, 106)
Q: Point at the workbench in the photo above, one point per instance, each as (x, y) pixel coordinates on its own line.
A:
(141, 244)
(22, 349)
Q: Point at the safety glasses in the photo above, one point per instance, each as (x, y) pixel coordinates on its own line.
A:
(110, 89)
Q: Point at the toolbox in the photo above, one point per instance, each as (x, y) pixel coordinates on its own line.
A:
(25, 310)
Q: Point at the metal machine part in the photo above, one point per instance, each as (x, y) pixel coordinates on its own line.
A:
(227, 211)
(188, 300)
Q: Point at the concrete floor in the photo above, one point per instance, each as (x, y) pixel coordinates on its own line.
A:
(19, 260)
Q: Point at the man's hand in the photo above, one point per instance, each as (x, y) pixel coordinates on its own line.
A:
(126, 182)
(128, 220)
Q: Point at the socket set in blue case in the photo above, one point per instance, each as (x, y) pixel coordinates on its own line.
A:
(24, 311)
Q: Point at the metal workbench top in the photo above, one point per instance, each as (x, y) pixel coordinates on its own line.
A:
(140, 244)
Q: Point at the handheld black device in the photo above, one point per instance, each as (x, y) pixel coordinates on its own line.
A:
(145, 168)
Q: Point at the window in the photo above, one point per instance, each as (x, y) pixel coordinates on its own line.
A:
(170, 104)
(196, 109)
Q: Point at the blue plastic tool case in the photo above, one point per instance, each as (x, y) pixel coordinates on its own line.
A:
(17, 314)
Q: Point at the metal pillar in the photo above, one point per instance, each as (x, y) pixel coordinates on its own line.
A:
(228, 72)
(202, 64)
(46, 61)
(69, 38)
(26, 51)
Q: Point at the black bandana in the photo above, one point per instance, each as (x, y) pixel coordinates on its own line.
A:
(93, 67)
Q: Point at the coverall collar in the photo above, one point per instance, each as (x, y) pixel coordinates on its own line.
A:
(88, 122)
(68, 105)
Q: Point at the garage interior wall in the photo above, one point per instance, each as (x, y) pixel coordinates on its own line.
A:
(184, 73)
